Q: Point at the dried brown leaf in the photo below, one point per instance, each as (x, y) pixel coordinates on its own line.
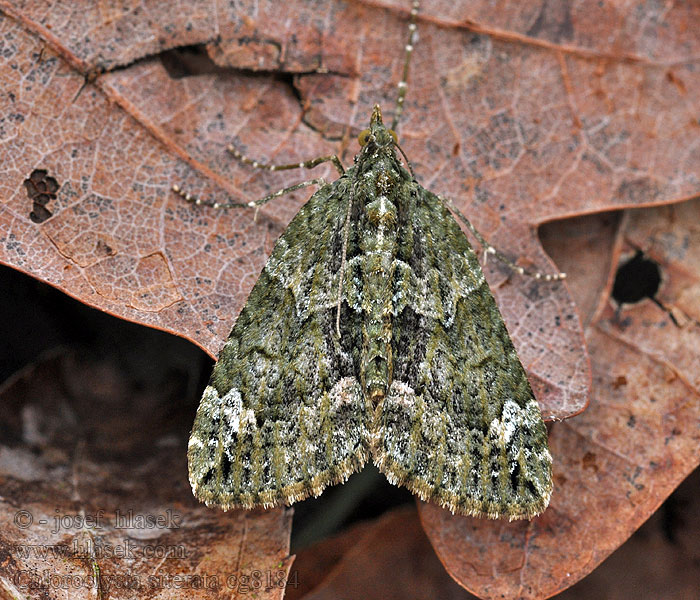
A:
(96, 502)
(659, 561)
(383, 559)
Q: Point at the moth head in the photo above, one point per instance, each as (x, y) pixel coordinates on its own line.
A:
(377, 133)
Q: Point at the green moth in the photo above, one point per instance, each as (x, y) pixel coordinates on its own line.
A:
(371, 333)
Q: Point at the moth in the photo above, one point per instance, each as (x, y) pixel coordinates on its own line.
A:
(371, 333)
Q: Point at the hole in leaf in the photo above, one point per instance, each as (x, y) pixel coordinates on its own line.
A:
(41, 189)
(188, 61)
(636, 279)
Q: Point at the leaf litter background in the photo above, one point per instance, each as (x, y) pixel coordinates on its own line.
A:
(522, 115)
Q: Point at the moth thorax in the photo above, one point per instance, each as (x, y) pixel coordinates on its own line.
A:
(381, 212)
(384, 182)
(376, 395)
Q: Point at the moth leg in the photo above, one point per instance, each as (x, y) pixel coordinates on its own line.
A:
(489, 249)
(309, 164)
(253, 204)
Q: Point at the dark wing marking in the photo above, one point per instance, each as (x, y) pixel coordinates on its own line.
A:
(284, 415)
(460, 425)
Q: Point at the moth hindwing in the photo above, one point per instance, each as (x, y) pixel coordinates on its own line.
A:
(372, 332)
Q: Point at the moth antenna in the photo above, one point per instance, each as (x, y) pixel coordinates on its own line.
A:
(489, 249)
(403, 84)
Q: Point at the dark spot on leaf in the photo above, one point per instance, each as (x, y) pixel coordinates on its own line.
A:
(620, 380)
(553, 23)
(588, 461)
(104, 249)
(639, 190)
